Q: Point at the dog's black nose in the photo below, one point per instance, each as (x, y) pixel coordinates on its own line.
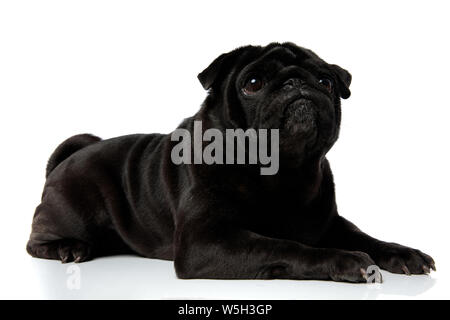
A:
(293, 83)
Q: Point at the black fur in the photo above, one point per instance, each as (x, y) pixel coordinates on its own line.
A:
(67, 148)
(221, 221)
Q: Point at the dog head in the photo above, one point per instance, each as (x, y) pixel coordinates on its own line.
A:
(279, 86)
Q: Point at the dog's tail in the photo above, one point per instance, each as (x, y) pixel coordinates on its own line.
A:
(69, 147)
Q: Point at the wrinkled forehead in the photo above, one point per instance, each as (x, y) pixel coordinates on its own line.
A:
(276, 54)
(288, 50)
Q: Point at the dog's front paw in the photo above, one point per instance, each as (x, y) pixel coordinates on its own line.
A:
(351, 266)
(396, 258)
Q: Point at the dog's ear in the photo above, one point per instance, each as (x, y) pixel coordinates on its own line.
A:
(221, 64)
(344, 79)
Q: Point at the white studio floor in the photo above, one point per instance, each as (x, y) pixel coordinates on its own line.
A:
(129, 277)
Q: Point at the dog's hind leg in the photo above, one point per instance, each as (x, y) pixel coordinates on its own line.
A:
(69, 235)
(59, 235)
(51, 239)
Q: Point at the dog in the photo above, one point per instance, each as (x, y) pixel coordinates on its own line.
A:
(126, 195)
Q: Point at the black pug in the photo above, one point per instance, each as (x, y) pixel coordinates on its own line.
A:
(125, 195)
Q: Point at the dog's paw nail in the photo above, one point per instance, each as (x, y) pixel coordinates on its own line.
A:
(64, 259)
(78, 259)
(363, 273)
(426, 270)
(406, 270)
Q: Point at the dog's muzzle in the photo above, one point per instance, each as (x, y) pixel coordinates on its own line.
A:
(299, 116)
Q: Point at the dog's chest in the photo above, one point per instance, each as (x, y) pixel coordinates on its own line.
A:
(287, 216)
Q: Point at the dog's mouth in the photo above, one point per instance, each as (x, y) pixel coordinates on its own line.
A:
(299, 116)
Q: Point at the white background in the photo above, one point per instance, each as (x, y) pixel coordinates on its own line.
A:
(118, 67)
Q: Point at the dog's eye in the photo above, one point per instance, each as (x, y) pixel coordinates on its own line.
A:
(327, 83)
(253, 85)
